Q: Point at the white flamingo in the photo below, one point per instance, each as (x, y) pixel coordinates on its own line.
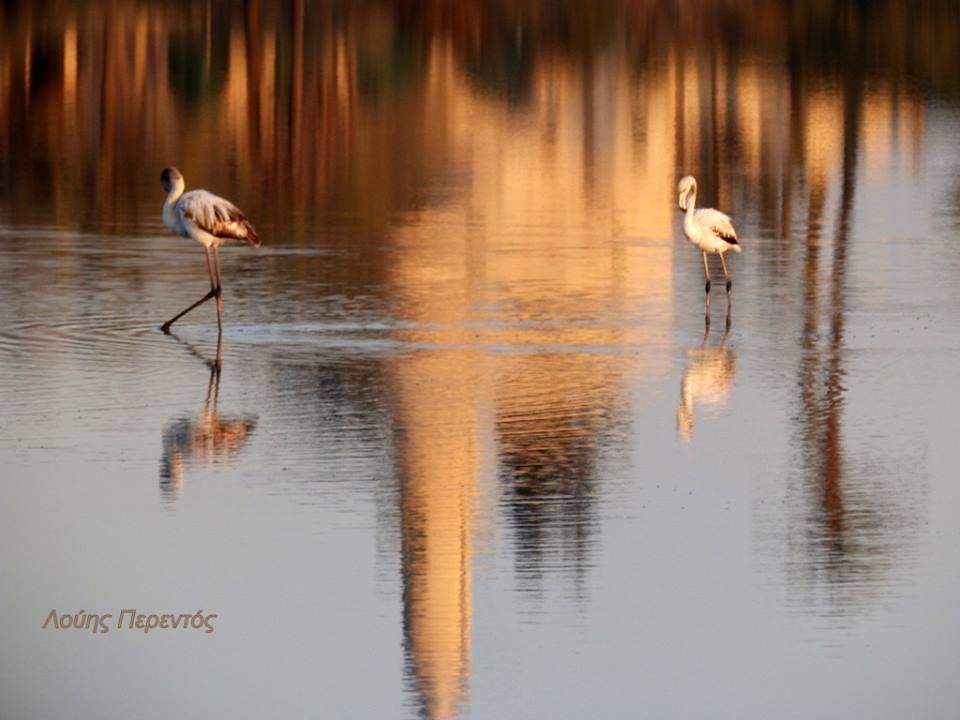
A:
(709, 230)
(211, 221)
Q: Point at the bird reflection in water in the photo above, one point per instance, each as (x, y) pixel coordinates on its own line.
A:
(707, 380)
(207, 437)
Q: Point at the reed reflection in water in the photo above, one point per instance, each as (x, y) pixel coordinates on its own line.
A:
(464, 338)
(340, 112)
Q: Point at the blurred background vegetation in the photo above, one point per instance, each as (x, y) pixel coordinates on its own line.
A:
(326, 107)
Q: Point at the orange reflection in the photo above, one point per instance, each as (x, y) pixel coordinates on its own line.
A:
(436, 400)
(543, 364)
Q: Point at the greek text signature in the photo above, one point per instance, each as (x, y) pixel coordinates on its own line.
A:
(129, 620)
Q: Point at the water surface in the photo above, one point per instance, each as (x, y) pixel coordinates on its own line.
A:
(470, 450)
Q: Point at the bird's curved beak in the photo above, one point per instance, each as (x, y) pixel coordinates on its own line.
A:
(683, 200)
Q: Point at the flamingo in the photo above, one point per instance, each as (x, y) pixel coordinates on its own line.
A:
(709, 230)
(211, 221)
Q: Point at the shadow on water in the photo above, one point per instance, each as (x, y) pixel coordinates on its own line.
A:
(208, 437)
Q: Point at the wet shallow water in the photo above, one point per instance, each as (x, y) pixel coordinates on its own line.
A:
(470, 451)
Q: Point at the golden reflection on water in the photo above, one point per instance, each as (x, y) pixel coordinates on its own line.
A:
(512, 280)
(438, 413)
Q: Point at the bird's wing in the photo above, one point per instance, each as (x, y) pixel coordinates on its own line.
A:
(214, 215)
(717, 224)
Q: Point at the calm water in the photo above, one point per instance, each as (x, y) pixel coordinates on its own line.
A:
(470, 452)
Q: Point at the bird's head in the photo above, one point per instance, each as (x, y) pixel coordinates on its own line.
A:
(686, 187)
(171, 179)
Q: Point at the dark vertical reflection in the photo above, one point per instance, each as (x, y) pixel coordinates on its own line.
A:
(846, 535)
(832, 558)
(679, 110)
(795, 136)
(555, 416)
(709, 121)
(253, 42)
(832, 446)
(295, 130)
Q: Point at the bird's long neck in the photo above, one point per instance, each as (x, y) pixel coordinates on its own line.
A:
(691, 202)
(175, 192)
(170, 218)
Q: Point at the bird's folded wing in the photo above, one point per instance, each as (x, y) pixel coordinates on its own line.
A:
(216, 216)
(718, 224)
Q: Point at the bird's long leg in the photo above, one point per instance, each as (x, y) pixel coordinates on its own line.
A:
(213, 281)
(166, 326)
(219, 290)
(213, 291)
(726, 273)
(706, 272)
